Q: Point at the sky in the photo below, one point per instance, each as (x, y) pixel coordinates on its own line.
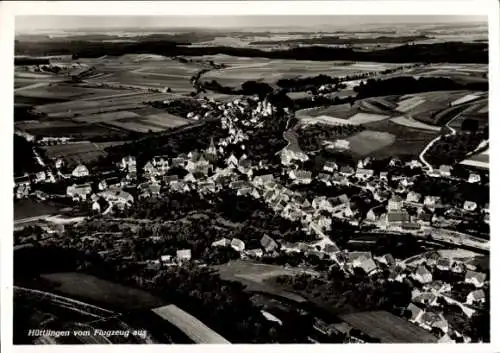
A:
(67, 22)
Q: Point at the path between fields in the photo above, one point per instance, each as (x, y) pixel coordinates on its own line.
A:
(424, 151)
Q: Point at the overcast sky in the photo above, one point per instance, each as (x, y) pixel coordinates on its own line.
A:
(55, 23)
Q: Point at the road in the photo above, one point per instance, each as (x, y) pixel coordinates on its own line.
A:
(424, 151)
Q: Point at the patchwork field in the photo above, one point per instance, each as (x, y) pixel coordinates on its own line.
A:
(74, 153)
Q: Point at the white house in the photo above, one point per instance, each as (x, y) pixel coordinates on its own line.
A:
(395, 203)
(80, 171)
(238, 244)
(183, 255)
(470, 206)
(474, 178)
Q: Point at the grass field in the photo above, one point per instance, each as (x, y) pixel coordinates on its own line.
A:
(102, 292)
(255, 275)
(408, 141)
(366, 142)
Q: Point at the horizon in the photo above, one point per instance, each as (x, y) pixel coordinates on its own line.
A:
(33, 23)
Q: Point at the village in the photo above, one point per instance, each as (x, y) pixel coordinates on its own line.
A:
(393, 206)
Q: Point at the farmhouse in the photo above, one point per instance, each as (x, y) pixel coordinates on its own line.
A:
(80, 171)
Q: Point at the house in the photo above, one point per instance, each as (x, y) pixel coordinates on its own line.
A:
(429, 319)
(301, 176)
(100, 205)
(367, 265)
(119, 198)
(395, 203)
(431, 201)
(128, 163)
(375, 213)
(330, 166)
(232, 161)
(346, 170)
(224, 242)
(470, 206)
(40, 177)
(430, 299)
(246, 190)
(443, 264)
(245, 167)
(161, 163)
(383, 176)
(445, 170)
(422, 275)
(256, 253)
(386, 259)
(238, 244)
(263, 179)
(79, 192)
(183, 255)
(474, 178)
(321, 203)
(395, 217)
(268, 243)
(178, 162)
(166, 258)
(189, 178)
(475, 278)
(458, 267)
(149, 169)
(363, 173)
(424, 218)
(58, 163)
(437, 286)
(413, 196)
(414, 164)
(325, 178)
(476, 297)
(416, 313)
(80, 171)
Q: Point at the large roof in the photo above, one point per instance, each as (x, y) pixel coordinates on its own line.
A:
(387, 327)
(191, 326)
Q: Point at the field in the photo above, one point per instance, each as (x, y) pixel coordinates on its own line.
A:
(253, 275)
(406, 121)
(62, 128)
(272, 70)
(64, 92)
(367, 142)
(79, 152)
(27, 208)
(408, 141)
(102, 292)
(387, 327)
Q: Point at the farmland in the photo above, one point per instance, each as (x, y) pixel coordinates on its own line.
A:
(368, 142)
(78, 152)
(100, 291)
(255, 275)
(272, 70)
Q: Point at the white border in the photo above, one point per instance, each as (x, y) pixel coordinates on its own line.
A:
(392, 7)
